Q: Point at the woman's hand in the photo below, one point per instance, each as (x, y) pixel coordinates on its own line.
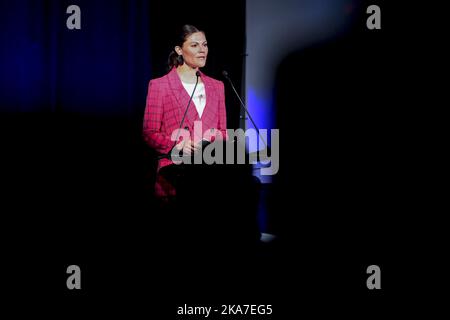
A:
(188, 146)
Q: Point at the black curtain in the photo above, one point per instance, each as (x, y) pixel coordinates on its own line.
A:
(77, 177)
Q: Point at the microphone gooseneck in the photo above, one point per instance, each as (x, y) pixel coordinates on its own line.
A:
(182, 120)
(225, 74)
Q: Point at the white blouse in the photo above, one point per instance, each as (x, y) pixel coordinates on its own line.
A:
(199, 97)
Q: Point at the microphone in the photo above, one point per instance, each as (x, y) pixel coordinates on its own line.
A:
(167, 156)
(225, 74)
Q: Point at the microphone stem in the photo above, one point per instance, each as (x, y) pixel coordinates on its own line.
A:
(246, 111)
(184, 116)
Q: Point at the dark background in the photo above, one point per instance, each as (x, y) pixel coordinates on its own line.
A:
(77, 177)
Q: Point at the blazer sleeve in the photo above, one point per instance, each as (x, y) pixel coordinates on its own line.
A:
(222, 113)
(153, 118)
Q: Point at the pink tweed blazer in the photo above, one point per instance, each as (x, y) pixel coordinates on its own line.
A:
(166, 103)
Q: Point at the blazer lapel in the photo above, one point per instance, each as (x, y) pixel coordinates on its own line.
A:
(211, 95)
(182, 98)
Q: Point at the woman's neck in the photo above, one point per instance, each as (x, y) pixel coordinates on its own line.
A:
(187, 74)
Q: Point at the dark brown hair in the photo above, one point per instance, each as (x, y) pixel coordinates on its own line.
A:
(176, 60)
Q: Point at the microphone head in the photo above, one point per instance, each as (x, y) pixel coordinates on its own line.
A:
(225, 74)
(197, 73)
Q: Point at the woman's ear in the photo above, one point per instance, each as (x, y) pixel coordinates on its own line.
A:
(178, 50)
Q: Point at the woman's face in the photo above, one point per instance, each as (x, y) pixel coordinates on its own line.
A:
(194, 50)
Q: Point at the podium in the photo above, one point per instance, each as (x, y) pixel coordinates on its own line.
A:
(216, 203)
